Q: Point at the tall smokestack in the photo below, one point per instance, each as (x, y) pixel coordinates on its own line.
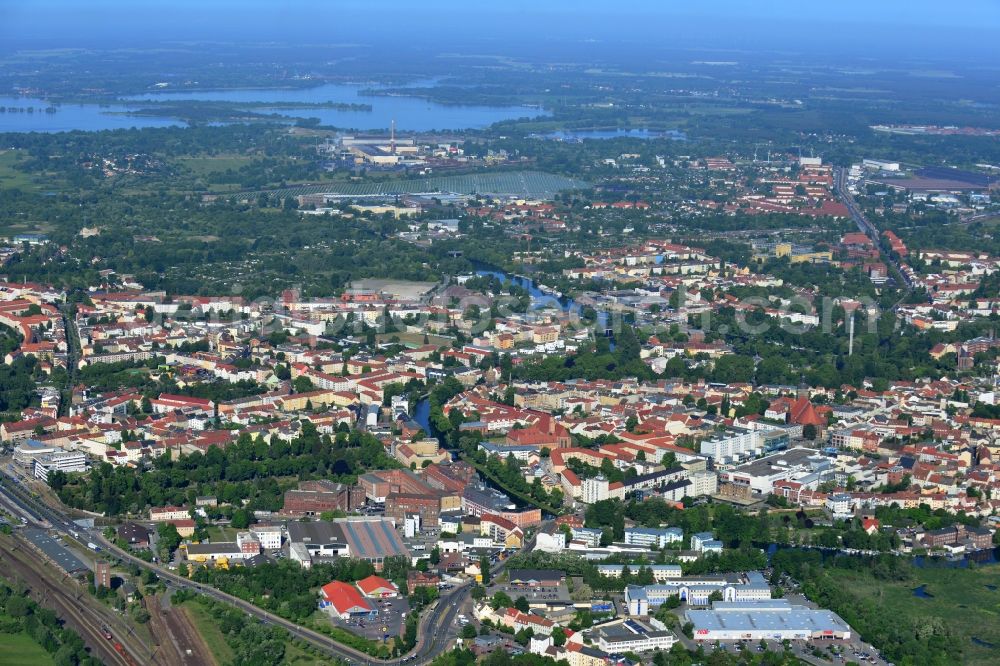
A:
(850, 335)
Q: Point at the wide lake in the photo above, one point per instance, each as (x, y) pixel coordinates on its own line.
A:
(410, 113)
(69, 117)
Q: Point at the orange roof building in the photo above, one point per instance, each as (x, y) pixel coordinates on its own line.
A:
(377, 587)
(803, 413)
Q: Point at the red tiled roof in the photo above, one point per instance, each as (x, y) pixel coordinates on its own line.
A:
(345, 598)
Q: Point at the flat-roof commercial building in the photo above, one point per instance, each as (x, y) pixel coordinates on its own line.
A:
(535, 577)
(802, 465)
(60, 461)
(372, 539)
(633, 635)
(776, 619)
(210, 552)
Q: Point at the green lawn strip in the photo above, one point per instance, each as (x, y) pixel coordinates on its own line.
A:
(22, 650)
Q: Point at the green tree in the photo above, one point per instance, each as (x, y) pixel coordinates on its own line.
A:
(241, 519)
(484, 568)
(501, 600)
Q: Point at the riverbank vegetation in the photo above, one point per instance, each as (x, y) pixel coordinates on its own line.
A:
(932, 615)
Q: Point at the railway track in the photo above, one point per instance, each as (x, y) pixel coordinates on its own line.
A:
(64, 597)
(181, 644)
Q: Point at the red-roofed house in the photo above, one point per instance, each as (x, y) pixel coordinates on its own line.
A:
(502, 530)
(518, 620)
(167, 402)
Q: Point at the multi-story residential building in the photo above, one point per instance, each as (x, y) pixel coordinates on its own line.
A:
(588, 536)
(653, 537)
(552, 539)
(733, 444)
(705, 542)
(168, 513)
(269, 536)
(661, 572)
(840, 505)
(502, 531)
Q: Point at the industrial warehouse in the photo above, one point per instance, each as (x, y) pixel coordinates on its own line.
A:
(775, 619)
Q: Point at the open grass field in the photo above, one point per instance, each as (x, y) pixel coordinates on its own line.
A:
(221, 533)
(11, 178)
(206, 625)
(966, 601)
(21, 650)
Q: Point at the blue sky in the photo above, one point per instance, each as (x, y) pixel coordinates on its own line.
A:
(929, 25)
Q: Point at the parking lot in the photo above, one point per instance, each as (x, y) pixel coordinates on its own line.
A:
(541, 594)
(842, 652)
(390, 616)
